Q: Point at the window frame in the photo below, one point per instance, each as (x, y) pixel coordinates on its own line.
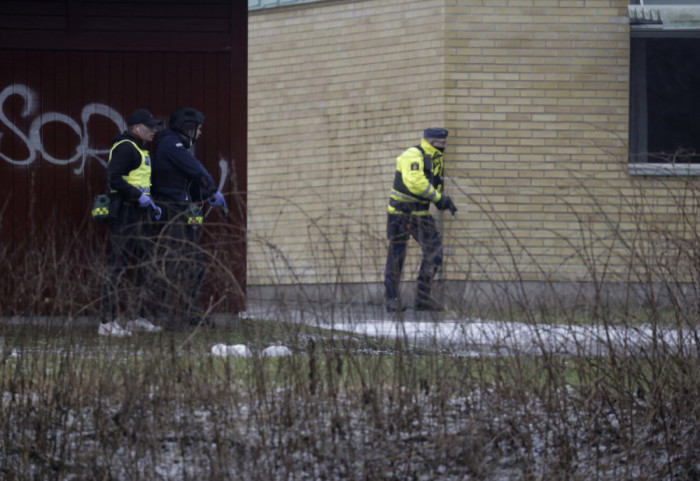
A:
(651, 27)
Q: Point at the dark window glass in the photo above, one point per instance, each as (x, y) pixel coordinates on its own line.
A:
(665, 100)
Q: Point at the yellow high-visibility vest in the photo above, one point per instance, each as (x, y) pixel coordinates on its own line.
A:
(417, 180)
(141, 176)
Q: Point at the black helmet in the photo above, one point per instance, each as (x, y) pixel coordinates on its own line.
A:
(185, 118)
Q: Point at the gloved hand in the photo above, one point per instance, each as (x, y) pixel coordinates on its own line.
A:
(452, 207)
(445, 203)
(217, 200)
(145, 201)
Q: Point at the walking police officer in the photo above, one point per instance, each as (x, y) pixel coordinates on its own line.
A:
(418, 182)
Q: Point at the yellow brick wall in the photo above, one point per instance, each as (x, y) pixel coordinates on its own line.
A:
(537, 95)
(336, 91)
(534, 93)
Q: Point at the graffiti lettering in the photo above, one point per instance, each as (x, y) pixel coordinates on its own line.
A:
(33, 140)
(83, 151)
(223, 168)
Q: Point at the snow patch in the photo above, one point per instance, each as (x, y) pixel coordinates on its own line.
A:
(240, 350)
(237, 350)
(276, 351)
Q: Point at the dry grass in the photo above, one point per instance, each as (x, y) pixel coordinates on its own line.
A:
(76, 406)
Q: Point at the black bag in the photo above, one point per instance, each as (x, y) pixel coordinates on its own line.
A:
(100, 208)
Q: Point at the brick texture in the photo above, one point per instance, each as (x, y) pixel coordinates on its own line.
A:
(534, 93)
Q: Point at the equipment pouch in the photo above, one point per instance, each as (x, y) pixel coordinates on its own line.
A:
(100, 208)
(194, 215)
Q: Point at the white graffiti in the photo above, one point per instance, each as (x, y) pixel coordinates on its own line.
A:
(223, 170)
(83, 151)
(33, 139)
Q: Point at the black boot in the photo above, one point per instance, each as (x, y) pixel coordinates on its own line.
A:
(429, 304)
(424, 300)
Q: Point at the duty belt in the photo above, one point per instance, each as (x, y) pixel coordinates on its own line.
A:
(408, 206)
(143, 190)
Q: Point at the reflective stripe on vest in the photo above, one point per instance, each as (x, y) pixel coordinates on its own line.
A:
(141, 176)
(402, 200)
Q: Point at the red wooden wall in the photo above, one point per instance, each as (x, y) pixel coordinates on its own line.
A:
(71, 71)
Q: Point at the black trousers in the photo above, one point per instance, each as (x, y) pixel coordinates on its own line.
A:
(399, 228)
(180, 267)
(126, 290)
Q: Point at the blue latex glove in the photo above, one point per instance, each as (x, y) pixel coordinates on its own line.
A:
(145, 201)
(157, 212)
(218, 200)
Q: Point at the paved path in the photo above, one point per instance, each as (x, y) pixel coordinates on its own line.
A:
(469, 336)
(447, 331)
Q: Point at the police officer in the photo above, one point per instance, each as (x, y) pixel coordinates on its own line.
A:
(418, 181)
(180, 184)
(128, 176)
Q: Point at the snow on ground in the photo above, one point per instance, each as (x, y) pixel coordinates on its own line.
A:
(520, 337)
(241, 350)
(525, 437)
(473, 336)
(463, 336)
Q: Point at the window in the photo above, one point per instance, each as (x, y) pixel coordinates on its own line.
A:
(664, 90)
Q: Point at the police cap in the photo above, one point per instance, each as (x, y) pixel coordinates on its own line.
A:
(435, 133)
(141, 116)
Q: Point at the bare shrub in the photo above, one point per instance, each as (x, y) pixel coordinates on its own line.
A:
(605, 387)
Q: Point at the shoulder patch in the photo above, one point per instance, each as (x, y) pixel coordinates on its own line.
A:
(415, 166)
